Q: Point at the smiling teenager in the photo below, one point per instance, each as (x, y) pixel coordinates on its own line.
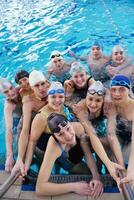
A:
(12, 114)
(121, 123)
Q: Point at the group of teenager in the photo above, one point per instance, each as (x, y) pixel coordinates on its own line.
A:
(63, 117)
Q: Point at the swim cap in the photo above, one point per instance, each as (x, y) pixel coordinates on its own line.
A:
(97, 87)
(117, 48)
(54, 120)
(76, 67)
(121, 80)
(55, 54)
(21, 74)
(55, 87)
(97, 44)
(4, 84)
(36, 77)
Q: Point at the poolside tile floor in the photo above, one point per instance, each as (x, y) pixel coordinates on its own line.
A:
(15, 193)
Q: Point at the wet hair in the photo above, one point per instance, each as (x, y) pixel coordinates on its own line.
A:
(54, 120)
(21, 74)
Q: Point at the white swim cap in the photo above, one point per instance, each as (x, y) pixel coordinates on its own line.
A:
(4, 84)
(56, 87)
(97, 87)
(76, 67)
(55, 54)
(117, 48)
(36, 77)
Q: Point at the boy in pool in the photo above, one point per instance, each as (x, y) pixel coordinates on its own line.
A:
(22, 79)
(12, 114)
(59, 69)
(120, 63)
(31, 105)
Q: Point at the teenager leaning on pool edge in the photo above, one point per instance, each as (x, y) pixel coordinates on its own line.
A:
(63, 137)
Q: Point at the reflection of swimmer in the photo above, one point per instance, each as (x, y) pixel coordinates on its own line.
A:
(120, 64)
(76, 88)
(121, 122)
(21, 78)
(63, 141)
(59, 69)
(96, 61)
(12, 113)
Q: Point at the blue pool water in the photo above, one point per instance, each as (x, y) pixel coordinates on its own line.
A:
(31, 29)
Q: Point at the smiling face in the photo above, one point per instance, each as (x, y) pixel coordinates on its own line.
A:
(56, 101)
(94, 102)
(79, 78)
(40, 89)
(118, 57)
(119, 94)
(10, 93)
(96, 52)
(58, 63)
(66, 135)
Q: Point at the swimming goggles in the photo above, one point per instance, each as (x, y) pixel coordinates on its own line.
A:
(58, 91)
(56, 55)
(57, 129)
(99, 92)
(120, 83)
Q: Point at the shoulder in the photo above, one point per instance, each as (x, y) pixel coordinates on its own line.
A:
(28, 99)
(82, 103)
(9, 106)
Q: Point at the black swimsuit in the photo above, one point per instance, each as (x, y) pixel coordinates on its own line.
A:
(124, 129)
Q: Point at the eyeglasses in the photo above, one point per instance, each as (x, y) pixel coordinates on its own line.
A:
(99, 92)
(120, 83)
(56, 55)
(63, 124)
(58, 91)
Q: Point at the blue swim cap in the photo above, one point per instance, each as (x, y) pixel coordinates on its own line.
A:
(121, 80)
(97, 43)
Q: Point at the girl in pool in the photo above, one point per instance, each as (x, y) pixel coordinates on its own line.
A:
(92, 108)
(76, 87)
(63, 138)
(120, 63)
(121, 123)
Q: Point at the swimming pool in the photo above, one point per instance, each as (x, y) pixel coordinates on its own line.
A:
(31, 29)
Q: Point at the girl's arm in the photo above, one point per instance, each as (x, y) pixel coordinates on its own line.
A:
(44, 187)
(112, 167)
(38, 127)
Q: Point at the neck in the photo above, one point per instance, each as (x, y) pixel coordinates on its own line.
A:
(124, 104)
(95, 115)
(54, 110)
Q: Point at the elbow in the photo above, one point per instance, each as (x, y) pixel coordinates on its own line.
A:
(111, 138)
(39, 189)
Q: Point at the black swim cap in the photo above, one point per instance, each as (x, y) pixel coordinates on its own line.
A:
(54, 120)
(21, 74)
